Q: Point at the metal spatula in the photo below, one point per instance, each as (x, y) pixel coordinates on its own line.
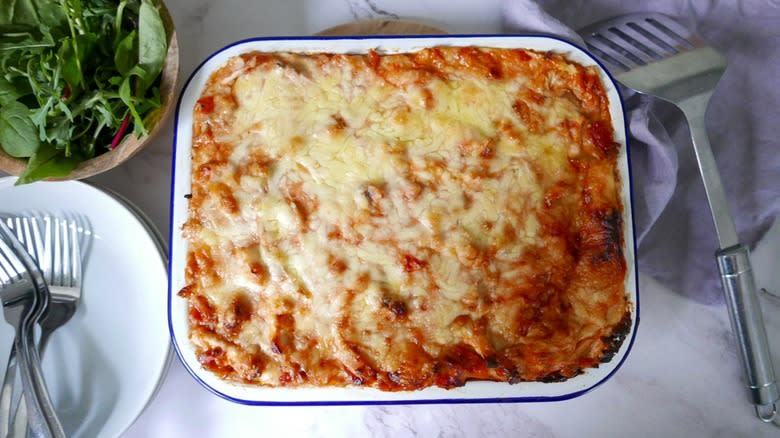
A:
(658, 56)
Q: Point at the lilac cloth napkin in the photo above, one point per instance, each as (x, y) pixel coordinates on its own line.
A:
(675, 232)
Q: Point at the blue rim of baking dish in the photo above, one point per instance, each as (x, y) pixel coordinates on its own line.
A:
(526, 399)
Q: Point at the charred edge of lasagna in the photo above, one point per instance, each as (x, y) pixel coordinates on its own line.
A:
(614, 341)
(612, 226)
(556, 377)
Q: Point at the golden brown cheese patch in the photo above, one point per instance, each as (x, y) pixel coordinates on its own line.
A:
(404, 220)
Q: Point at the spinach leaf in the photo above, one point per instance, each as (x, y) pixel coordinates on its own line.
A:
(47, 162)
(72, 54)
(31, 20)
(52, 15)
(17, 131)
(125, 55)
(152, 44)
(21, 12)
(8, 92)
(7, 13)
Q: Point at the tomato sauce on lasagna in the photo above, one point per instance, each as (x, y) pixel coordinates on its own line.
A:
(404, 220)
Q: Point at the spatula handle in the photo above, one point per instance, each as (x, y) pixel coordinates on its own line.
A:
(748, 326)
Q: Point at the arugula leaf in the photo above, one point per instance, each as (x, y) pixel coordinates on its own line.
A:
(74, 15)
(47, 162)
(14, 36)
(17, 131)
(126, 96)
(152, 44)
(120, 10)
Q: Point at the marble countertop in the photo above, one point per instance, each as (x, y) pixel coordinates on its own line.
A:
(682, 378)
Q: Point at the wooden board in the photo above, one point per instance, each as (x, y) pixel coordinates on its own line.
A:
(382, 27)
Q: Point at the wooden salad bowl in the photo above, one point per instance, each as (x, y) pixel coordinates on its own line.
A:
(131, 144)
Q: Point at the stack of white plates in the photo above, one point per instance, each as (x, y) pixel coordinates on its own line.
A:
(106, 364)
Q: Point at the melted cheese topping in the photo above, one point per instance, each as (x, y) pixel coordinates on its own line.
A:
(404, 220)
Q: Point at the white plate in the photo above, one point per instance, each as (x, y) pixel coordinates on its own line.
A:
(104, 366)
(472, 392)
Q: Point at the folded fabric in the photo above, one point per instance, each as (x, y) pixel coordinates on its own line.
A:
(676, 236)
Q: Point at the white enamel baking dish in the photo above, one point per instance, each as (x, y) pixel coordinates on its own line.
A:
(472, 392)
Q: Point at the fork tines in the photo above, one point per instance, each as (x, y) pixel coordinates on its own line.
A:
(65, 237)
(8, 266)
(27, 233)
(64, 252)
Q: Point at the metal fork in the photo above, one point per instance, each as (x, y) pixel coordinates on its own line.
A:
(59, 257)
(656, 55)
(61, 266)
(6, 393)
(23, 302)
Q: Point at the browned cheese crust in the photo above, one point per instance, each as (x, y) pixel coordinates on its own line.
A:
(400, 221)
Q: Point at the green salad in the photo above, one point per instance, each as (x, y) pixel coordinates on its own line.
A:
(76, 77)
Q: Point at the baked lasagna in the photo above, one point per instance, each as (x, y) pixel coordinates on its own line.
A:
(404, 220)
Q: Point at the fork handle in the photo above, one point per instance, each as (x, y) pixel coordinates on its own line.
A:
(7, 393)
(43, 419)
(20, 417)
(748, 324)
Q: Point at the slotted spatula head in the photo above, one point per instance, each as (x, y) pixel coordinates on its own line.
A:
(655, 54)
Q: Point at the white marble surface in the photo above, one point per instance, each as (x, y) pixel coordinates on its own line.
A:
(681, 379)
